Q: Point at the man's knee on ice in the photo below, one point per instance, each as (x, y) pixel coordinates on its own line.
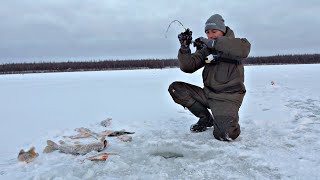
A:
(226, 128)
(226, 135)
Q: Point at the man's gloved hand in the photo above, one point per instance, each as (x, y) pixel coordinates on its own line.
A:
(198, 44)
(209, 43)
(185, 39)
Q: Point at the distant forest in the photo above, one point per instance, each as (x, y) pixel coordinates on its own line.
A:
(20, 68)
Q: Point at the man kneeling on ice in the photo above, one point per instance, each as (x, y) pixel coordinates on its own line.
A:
(223, 76)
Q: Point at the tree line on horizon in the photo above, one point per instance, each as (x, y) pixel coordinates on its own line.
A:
(38, 67)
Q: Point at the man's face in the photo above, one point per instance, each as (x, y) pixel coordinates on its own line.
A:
(214, 34)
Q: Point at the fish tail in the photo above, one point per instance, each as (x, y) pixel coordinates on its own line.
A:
(52, 146)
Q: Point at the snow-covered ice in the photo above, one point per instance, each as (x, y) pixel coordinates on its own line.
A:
(279, 140)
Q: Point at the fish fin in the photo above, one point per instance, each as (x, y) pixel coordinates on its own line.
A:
(51, 143)
(52, 146)
(32, 151)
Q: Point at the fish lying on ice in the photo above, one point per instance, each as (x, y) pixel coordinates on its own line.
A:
(78, 136)
(27, 156)
(77, 149)
(100, 157)
(84, 133)
(115, 133)
(83, 130)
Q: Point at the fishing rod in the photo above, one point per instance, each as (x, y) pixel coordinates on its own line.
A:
(196, 42)
(170, 26)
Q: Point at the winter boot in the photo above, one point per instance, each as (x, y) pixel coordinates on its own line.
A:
(206, 119)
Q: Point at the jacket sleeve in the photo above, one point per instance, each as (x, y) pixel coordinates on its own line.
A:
(190, 63)
(233, 47)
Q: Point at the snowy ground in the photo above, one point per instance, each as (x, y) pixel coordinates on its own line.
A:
(279, 140)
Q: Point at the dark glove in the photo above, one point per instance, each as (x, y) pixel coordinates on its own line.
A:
(209, 43)
(198, 44)
(185, 39)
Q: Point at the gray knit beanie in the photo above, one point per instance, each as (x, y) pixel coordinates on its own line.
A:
(215, 22)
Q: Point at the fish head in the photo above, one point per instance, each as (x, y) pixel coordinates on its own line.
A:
(27, 157)
(104, 157)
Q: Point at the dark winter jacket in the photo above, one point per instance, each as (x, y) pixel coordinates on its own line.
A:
(222, 81)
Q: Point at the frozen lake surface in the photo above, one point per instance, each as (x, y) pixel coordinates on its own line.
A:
(279, 140)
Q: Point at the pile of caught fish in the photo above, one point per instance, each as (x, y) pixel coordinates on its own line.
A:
(79, 148)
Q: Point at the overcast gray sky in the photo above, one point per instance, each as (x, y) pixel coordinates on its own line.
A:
(60, 30)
